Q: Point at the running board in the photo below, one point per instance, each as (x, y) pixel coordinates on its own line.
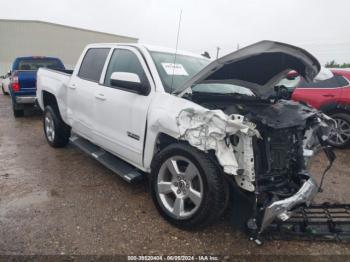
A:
(316, 222)
(118, 166)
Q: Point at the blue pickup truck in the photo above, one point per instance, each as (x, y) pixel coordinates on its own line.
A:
(23, 80)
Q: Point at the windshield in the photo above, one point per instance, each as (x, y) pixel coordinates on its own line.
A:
(175, 75)
(36, 63)
(222, 88)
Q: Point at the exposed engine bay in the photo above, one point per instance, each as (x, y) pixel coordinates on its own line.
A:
(264, 142)
(286, 129)
(272, 163)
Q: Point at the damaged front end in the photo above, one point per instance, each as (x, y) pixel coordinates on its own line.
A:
(265, 147)
(282, 208)
(291, 134)
(263, 142)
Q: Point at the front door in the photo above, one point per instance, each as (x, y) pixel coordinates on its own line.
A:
(120, 114)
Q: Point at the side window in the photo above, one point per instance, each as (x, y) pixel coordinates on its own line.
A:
(333, 82)
(342, 81)
(93, 62)
(123, 60)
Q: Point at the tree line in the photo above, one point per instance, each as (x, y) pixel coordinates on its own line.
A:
(333, 64)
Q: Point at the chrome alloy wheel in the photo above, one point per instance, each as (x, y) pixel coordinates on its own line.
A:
(49, 127)
(179, 187)
(341, 133)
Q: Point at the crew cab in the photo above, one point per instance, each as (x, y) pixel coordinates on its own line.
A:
(22, 85)
(198, 129)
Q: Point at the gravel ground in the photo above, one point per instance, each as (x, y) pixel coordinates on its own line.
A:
(59, 201)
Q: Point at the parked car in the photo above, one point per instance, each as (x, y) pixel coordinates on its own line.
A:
(196, 128)
(22, 85)
(331, 96)
(5, 84)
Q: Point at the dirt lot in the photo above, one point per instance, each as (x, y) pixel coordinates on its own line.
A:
(62, 202)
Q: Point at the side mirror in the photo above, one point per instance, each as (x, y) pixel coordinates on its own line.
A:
(129, 81)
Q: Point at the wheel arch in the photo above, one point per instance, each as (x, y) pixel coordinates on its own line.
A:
(49, 99)
(161, 141)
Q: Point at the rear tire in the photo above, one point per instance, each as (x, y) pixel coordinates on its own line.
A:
(182, 172)
(17, 112)
(342, 138)
(57, 132)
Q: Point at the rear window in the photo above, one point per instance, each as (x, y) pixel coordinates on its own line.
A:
(36, 63)
(93, 62)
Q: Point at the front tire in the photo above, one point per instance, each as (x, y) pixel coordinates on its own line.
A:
(187, 187)
(57, 132)
(341, 138)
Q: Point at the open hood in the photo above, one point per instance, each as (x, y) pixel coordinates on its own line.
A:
(258, 67)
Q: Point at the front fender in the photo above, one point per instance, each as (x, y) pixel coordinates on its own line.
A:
(162, 118)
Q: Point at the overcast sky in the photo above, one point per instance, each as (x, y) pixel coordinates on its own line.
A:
(320, 26)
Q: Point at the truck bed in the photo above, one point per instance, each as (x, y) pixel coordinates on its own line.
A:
(55, 82)
(66, 71)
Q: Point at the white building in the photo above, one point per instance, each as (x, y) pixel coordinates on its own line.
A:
(37, 38)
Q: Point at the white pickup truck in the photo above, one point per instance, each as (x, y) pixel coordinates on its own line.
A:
(198, 129)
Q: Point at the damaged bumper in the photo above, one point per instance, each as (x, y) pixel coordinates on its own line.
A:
(283, 209)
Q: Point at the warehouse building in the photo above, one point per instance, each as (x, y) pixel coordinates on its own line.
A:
(37, 38)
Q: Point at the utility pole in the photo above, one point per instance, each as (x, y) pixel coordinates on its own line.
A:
(217, 52)
(237, 46)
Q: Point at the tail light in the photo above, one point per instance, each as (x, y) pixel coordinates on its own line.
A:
(15, 84)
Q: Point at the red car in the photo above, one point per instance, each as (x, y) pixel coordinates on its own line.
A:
(331, 96)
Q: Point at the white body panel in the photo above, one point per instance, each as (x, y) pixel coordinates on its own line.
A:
(5, 84)
(128, 124)
(124, 123)
(126, 118)
(80, 105)
(55, 83)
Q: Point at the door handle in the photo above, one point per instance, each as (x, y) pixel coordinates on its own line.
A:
(329, 95)
(100, 96)
(72, 86)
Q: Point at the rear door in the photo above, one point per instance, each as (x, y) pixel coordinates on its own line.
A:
(319, 93)
(81, 91)
(120, 114)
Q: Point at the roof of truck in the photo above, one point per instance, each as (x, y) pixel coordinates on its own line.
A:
(36, 57)
(149, 48)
